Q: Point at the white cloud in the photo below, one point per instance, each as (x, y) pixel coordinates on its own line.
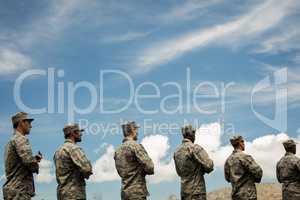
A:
(157, 147)
(209, 136)
(45, 172)
(2, 177)
(266, 147)
(104, 168)
(12, 61)
(262, 148)
(264, 17)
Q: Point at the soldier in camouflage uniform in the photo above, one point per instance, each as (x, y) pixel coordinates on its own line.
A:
(192, 162)
(20, 164)
(288, 172)
(242, 172)
(133, 164)
(72, 166)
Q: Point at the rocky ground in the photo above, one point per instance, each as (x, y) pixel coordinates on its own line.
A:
(267, 191)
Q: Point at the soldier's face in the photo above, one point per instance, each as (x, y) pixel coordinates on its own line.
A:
(242, 145)
(26, 126)
(293, 149)
(77, 136)
(135, 134)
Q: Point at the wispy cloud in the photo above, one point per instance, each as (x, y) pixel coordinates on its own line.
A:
(59, 15)
(282, 42)
(129, 36)
(264, 17)
(48, 26)
(187, 11)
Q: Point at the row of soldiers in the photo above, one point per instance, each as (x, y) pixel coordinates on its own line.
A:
(133, 164)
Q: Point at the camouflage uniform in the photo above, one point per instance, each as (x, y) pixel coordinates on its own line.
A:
(242, 172)
(192, 162)
(288, 173)
(72, 167)
(133, 164)
(19, 168)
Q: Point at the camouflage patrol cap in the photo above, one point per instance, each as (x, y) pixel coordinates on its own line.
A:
(128, 126)
(69, 128)
(289, 143)
(235, 139)
(19, 116)
(188, 130)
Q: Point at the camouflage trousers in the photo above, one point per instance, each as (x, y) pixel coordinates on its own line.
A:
(133, 196)
(193, 197)
(15, 195)
(290, 191)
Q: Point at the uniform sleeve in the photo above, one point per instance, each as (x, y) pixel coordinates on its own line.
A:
(23, 149)
(298, 164)
(227, 171)
(253, 168)
(80, 159)
(144, 159)
(203, 159)
(278, 173)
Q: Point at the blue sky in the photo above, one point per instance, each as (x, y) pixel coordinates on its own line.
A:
(159, 46)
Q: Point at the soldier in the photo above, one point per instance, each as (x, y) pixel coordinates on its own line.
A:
(72, 166)
(192, 162)
(242, 171)
(288, 172)
(133, 164)
(19, 162)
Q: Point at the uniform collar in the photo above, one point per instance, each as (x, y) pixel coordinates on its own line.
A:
(17, 133)
(237, 151)
(128, 139)
(185, 140)
(69, 141)
(289, 154)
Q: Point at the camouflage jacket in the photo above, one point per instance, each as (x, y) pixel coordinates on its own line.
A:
(242, 172)
(133, 164)
(288, 173)
(19, 166)
(72, 167)
(192, 162)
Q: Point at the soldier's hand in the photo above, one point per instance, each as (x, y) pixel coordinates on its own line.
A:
(87, 175)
